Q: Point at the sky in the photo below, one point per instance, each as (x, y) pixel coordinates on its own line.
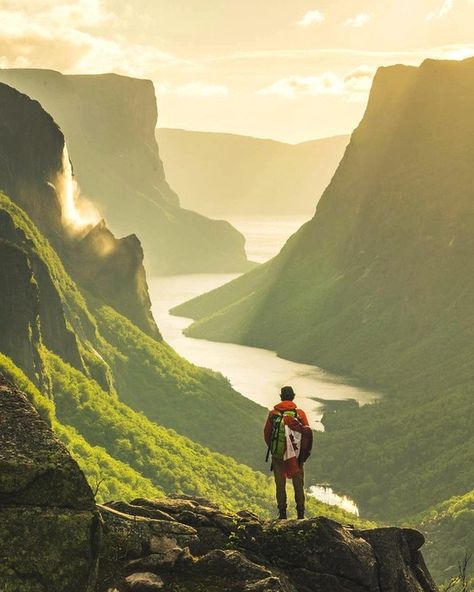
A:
(292, 70)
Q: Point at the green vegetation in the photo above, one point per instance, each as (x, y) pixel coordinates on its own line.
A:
(150, 377)
(123, 453)
(29, 238)
(145, 373)
(449, 528)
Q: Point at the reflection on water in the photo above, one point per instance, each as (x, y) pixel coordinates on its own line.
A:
(325, 494)
(256, 373)
(265, 236)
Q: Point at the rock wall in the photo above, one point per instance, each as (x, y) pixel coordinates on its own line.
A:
(33, 174)
(49, 526)
(181, 544)
(31, 310)
(109, 122)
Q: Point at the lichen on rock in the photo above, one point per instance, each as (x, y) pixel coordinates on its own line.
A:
(49, 525)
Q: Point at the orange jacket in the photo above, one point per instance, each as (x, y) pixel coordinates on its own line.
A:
(283, 406)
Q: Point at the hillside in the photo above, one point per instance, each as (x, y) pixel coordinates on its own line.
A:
(56, 536)
(378, 286)
(231, 175)
(109, 122)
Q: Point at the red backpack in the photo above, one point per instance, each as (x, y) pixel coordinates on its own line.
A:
(306, 444)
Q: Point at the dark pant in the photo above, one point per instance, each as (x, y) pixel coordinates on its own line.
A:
(280, 482)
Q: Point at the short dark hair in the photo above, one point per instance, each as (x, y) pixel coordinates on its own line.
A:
(287, 393)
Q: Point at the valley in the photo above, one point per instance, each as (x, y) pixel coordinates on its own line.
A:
(256, 373)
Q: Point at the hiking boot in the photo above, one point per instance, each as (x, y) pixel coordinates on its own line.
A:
(300, 513)
(282, 514)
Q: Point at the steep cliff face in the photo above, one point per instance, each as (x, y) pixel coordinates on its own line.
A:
(19, 304)
(31, 148)
(113, 270)
(389, 244)
(231, 175)
(49, 538)
(32, 310)
(36, 173)
(379, 286)
(110, 123)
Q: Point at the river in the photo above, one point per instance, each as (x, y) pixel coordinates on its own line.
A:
(256, 373)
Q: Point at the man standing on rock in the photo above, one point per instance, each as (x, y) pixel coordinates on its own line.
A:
(289, 439)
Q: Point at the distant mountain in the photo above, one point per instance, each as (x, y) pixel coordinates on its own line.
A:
(110, 123)
(226, 174)
(379, 286)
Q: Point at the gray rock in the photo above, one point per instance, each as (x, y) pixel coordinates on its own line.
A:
(50, 529)
(244, 554)
(144, 582)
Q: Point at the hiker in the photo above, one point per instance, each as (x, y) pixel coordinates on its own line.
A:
(289, 439)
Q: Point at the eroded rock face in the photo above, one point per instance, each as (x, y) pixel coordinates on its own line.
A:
(181, 544)
(33, 174)
(49, 526)
(110, 122)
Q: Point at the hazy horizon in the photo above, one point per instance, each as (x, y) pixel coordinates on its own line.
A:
(294, 72)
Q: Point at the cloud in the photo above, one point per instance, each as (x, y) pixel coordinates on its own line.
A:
(297, 86)
(441, 12)
(359, 20)
(201, 89)
(64, 37)
(312, 17)
(358, 82)
(353, 85)
(197, 88)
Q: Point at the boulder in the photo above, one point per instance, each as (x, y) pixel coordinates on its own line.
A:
(204, 549)
(50, 528)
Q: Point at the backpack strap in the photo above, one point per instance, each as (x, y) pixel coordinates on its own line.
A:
(273, 435)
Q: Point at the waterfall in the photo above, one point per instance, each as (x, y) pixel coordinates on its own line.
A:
(77, 212)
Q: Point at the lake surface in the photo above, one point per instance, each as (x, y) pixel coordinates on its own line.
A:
(256, 373)
(265, 235)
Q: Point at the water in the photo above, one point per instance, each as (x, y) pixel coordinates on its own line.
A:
(325, 494)
(256, 373)
(265, 235)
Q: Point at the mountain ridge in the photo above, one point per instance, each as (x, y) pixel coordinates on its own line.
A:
(109, 121)
(271, 177)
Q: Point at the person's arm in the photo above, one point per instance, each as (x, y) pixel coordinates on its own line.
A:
(303, 417)
(267, 430)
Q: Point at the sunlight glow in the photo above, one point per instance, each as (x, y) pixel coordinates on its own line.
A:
(77, 212)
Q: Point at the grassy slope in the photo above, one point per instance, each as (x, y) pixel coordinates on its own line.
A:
(450, 534)
(151, 377)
